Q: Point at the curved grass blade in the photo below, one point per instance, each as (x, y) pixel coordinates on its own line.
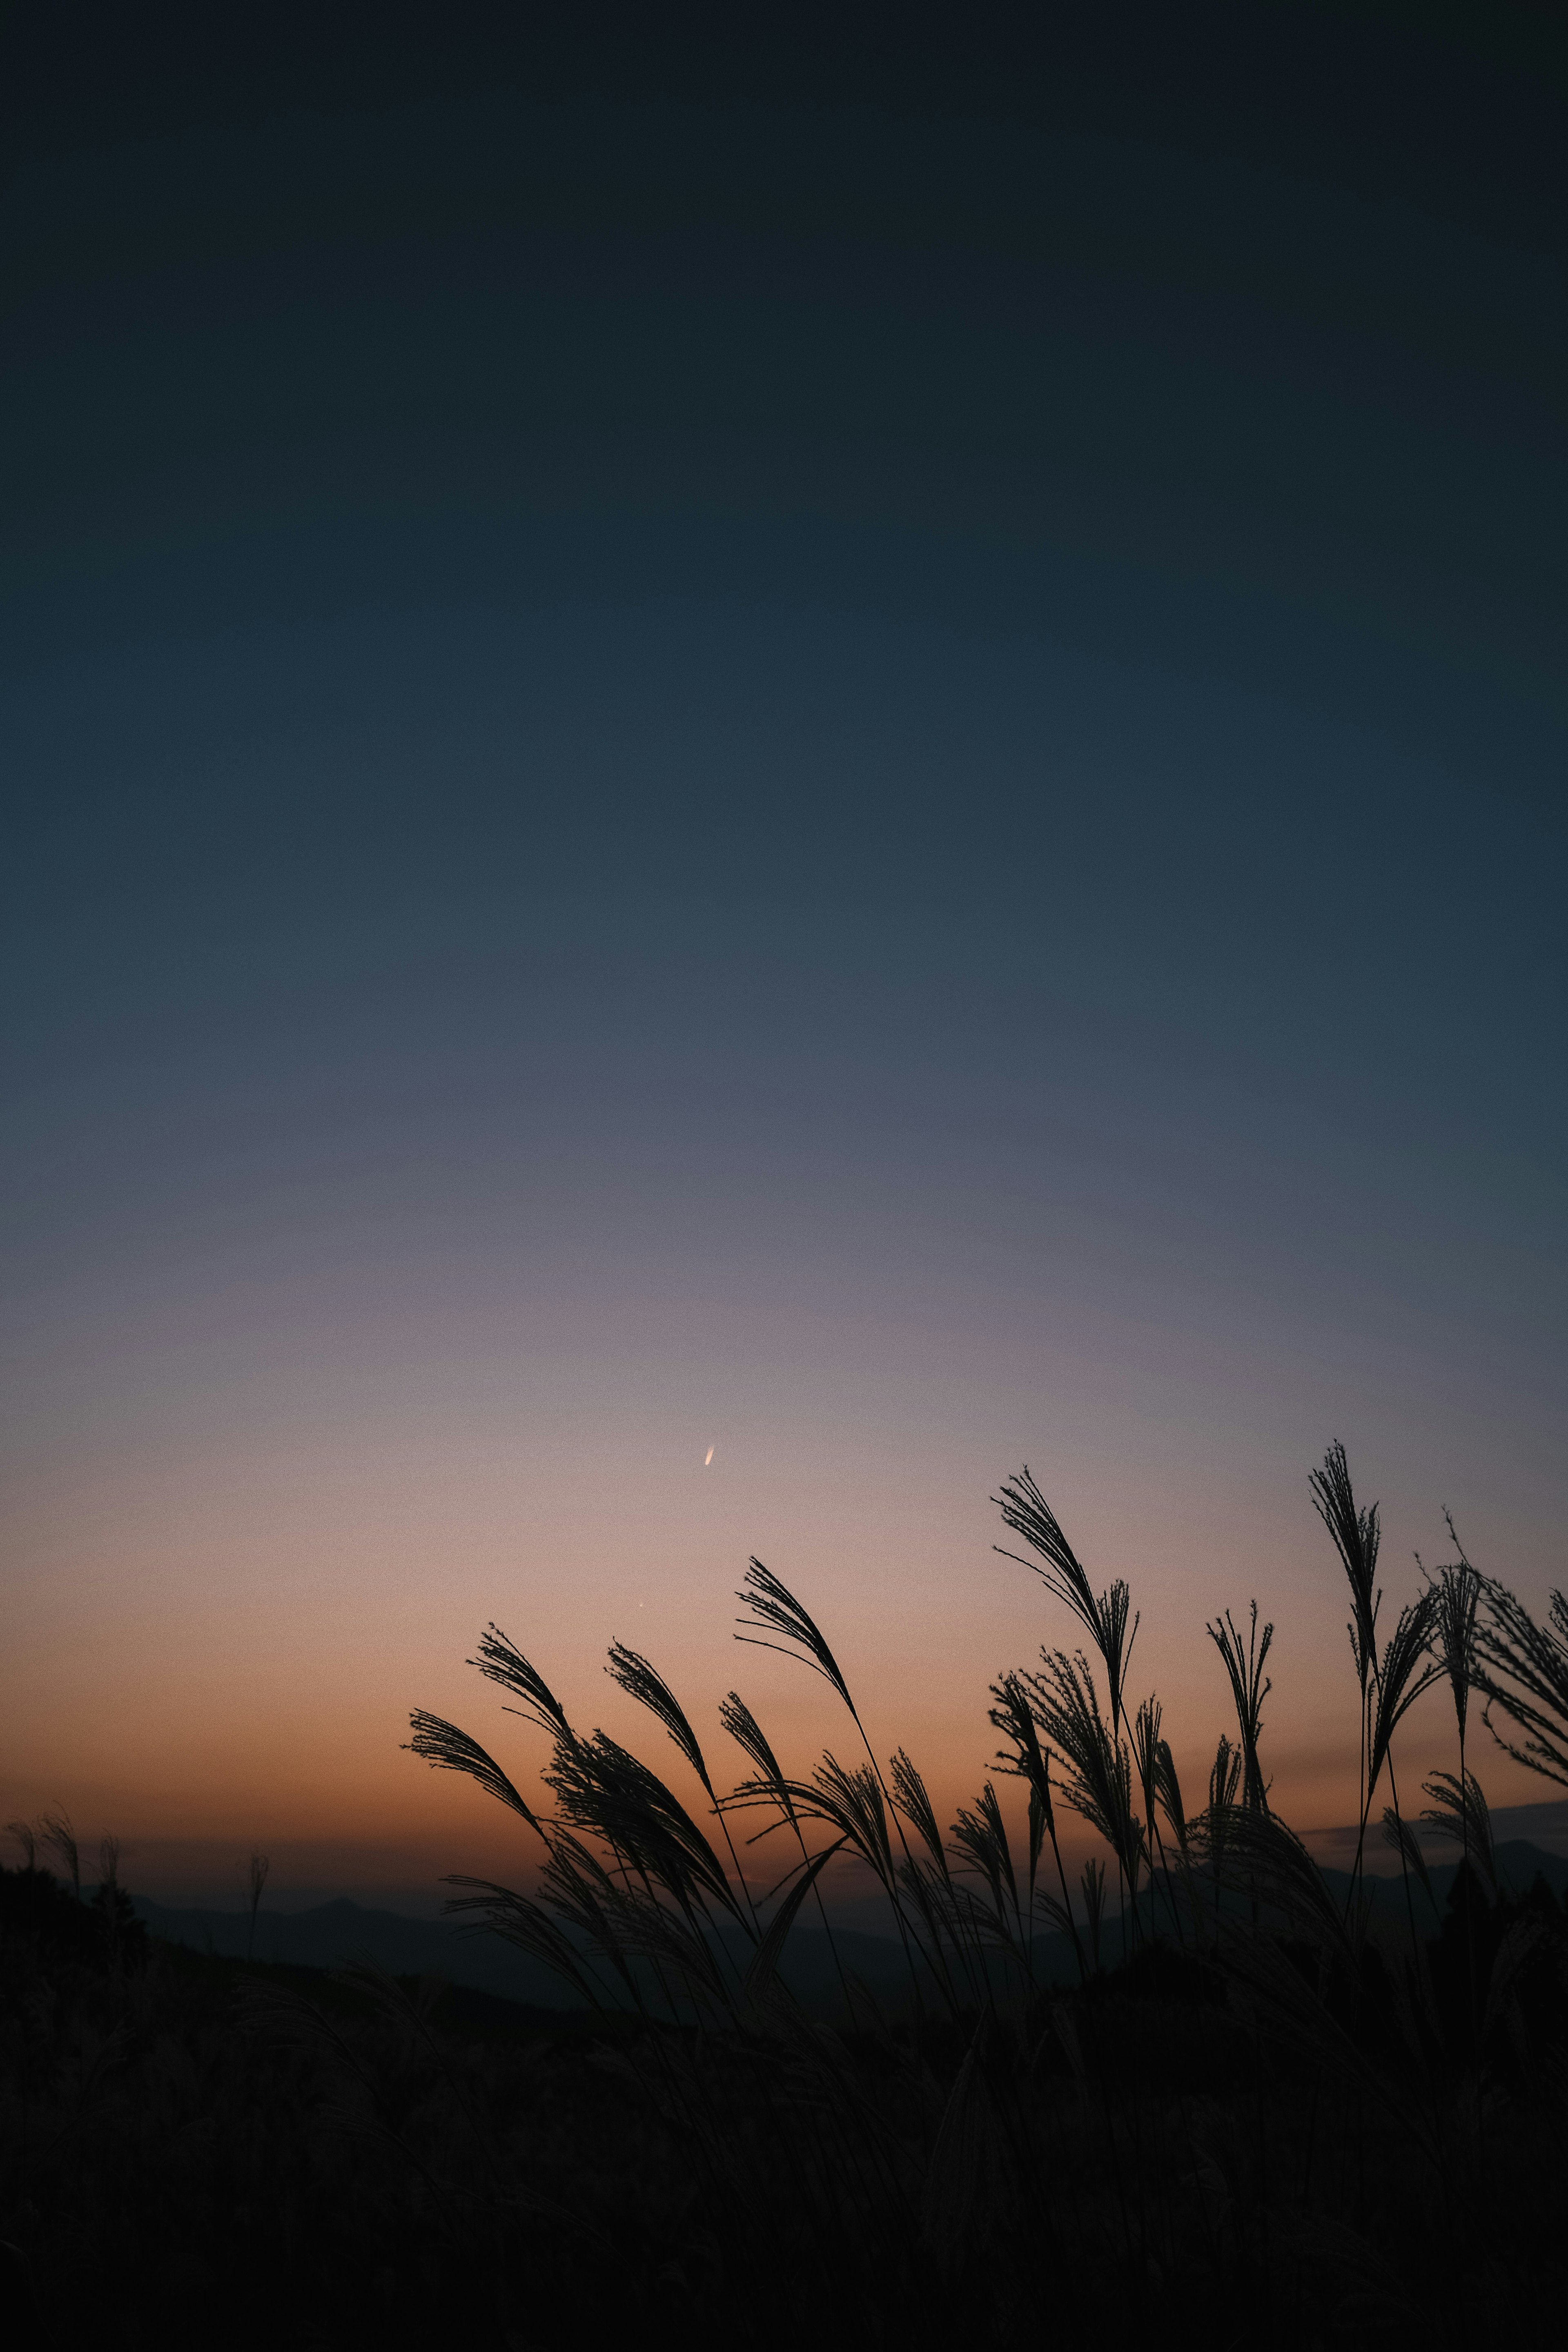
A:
(1524, 1674)
(765, 1960)
(500, 1663)
(773, 1609)
(642, 1681)
(445, 1748)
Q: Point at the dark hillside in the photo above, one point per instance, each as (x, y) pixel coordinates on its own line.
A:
(337, 2158)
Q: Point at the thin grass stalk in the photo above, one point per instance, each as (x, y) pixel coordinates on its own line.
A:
(1036, 1830)
(259, 1866)
(850, 1798)
(1031, 1761)
(25, 1836)
(1458, 1590)
(1169, 1791)
(1109, 1620)
(640, 1680)
(1066, 1903)
(1356, 1536)
(1224, 1776)
(1094, 1907)
(1249, 1688)
(979, 1839)
(1146, 1747)
(56, 1833)
(1399, 1678)
(939, 1901)
(773, 1609)
(1067, 1706)
(743, 1728)
(1105, 1618)
(1405, 1872)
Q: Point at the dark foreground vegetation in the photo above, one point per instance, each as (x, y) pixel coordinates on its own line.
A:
(1284, 2114)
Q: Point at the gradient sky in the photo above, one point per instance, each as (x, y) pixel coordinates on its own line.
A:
(883, 793)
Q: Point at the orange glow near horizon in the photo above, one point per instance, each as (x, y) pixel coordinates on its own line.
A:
(231, 1656)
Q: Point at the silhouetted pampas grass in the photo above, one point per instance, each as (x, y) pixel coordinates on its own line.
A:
(1313, 2099)
(1237, 2102)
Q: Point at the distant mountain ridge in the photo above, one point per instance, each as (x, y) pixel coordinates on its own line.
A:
(335, 1933)
(332, 1933)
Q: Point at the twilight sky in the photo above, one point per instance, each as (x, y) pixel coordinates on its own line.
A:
(880, 790)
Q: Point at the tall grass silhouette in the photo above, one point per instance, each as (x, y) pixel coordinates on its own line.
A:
(1024, 1990)
(1202, 2084)
(654, 1911)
